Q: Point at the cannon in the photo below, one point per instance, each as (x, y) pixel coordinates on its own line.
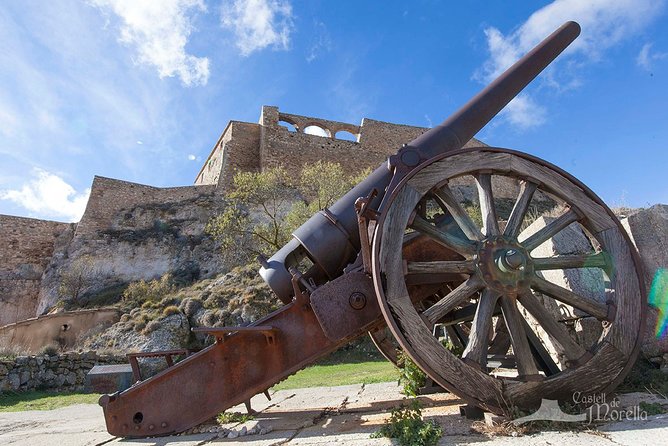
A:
(439, 237)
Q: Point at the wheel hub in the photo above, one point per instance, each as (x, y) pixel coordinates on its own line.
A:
(504, 265)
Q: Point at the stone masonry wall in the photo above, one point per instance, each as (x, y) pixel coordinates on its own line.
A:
(131, 231)
(63, 372)
(62, 329)
(25, 251)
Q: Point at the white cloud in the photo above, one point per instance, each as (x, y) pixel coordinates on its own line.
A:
(258, 24)
(604, 24)
(321, 44)
(646, 57)
(159, 31)
(192, 157)
(48, 195)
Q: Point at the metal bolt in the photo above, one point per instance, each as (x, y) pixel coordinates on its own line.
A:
(514, 259)
(357, 300)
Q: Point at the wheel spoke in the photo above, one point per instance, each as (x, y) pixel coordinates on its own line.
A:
(597, 260)
(445, 198)
(516, 218)
(526, 366)
(445, 238)
(440, 267)
(596, 309)
(550, 230)
(476, 350)
(454, 298)
(572, 350)
(487, 209)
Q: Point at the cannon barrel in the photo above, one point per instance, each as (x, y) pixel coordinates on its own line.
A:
(330, 238)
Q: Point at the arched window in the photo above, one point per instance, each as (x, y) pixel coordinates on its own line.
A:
(346, 135)
(288, 125)
(316, 130)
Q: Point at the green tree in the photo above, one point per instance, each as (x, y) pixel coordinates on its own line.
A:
(265, 207)
(254, 221)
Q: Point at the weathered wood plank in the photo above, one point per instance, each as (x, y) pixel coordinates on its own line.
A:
(563, 187)
(597, 260)
(456, 165)
(476, 350)
(556, 331)
(441, 365)
(596, 309)
(463, 247)
(549, 231)
(444, 197)
(628, 297)
(516, 218)
(518, 337)
(490, 223)
(590, 378)
(452, 299)
(439, 267)
(392, 241)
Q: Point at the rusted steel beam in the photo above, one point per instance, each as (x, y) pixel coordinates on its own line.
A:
(227, 373)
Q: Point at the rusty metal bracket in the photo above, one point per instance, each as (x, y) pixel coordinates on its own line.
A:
(366, 222)
(346, 306)
(167, 354)
(221, 333)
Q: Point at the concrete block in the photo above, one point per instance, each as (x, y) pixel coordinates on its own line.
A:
(109, 378)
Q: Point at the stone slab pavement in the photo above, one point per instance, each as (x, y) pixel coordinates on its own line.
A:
(345, 415)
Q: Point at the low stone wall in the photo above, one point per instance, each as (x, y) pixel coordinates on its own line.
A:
(63, 372)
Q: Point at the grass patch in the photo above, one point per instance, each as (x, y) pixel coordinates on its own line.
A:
(18, 402)
(645, 377)
(233, 417)
(340, 375)
(652, 408)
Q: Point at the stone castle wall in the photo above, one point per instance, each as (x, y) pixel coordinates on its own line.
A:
(131, 231)
(26, 249)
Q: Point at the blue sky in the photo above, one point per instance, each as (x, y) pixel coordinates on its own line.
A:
(141, 90)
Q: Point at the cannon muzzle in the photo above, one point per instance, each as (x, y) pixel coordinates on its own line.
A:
(330, 238)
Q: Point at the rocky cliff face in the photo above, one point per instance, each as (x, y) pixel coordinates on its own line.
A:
(132, 232)
(25, 250)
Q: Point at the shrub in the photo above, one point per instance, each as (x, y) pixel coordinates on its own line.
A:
(190, 306)
(411, 377)
(408, 427)
(170, 310)
(50, 350)
(144, 294)
(151, 327)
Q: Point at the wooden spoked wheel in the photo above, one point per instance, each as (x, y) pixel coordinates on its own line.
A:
(509, 236)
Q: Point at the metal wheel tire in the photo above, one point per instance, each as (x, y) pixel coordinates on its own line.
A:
(502, 267)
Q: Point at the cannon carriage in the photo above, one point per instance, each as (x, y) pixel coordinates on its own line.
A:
(439, 236)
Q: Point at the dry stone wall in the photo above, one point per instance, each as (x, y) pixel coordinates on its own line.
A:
(61, 372)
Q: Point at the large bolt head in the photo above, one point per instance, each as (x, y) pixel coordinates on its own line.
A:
(357, 300)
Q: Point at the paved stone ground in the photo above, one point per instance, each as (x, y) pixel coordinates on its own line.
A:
(320, 416)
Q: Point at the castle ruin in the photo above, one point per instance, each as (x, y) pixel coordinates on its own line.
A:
(131, 231)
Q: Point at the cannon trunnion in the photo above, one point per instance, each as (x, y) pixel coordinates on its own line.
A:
(467, 241)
